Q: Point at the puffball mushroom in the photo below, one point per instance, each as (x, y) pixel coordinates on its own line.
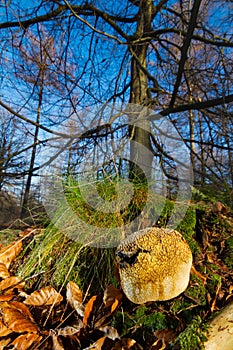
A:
(154, 264)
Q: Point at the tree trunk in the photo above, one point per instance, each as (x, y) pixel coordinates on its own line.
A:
(203, 169)
(140, 147)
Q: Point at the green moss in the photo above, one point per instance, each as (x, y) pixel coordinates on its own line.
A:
(193, 337)
(140, 313)
(151, 320)
(214, 280)
(197, 291)
(187, 228)
(213, 267)
(155, 321)
(142, 318)
(178, 305)
(228, 253)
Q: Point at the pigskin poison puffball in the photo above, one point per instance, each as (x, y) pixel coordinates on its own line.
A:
(154, 264)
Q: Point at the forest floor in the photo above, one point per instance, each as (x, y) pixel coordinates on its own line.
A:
(56, 295)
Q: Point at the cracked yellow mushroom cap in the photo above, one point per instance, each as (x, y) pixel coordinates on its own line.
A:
(154, 264)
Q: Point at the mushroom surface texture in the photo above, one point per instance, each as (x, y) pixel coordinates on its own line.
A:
(154, 264)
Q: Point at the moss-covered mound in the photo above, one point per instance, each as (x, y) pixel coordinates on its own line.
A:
(50, 258)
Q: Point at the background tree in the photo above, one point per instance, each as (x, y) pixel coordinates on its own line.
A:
(175, 56)
(12, 161)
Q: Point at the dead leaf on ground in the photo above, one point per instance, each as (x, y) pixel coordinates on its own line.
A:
(110, 332)
(44, 296)
(24, 341)
(67, 331)
(8, 284)
(20, 307)
(103, 343)
(4, 330)
(89, 310)
(8, 253)
(7, 297)
(115, 305)
(163, 338)
(111, 293)
(57, 344)
(127, 344)
(4, 343)
(18, 318)
(4, 273)
(27, 232)
(74, 297)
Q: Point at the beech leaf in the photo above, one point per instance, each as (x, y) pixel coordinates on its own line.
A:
(127, 344)
(7, 285)
(44, 296)
(7, 297)
(20, 307)
(89, 310)
(101, 344)
(74, 297)
(67, 331)
(4, 343)
(24, 341)
(4, 273)
(4, 330)
(8, 253)
(111, 293)
(18, 322)
(57, 345)
(110, 332)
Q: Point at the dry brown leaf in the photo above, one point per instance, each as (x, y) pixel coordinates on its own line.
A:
(115, 305)
(89, 310)
(74, 297)
(7, 285)
(8, 253)
(104, 315)
(44, 296)
(164, 336)
(4, 273)
(102, 343)
(7, 297)
(158, 345)
(57, 345)
(4, 330)
(4, 343)
(127, 344)
(20, 307)
(111, 294)
(109, 332)
(67, 331)
(230, 291)
(27, 232)
(24, 341)
(18, 320)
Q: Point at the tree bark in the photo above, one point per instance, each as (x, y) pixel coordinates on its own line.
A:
(140, 148)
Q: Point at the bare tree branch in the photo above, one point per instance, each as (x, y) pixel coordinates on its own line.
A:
(20, 116)
(184, 49)
(196, 106)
